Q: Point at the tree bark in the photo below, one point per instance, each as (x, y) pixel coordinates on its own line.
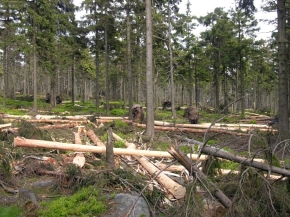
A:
(283, 74)
(149, 76)
(172, 88)
(130, 81)
(109, 149)
(242, 160)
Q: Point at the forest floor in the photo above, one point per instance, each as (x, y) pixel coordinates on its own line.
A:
(51, 173)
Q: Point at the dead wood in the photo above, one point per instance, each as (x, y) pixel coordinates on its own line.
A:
(58, 126)
(110, 120)
(213, 151)
(109, 149)
(177, 190)
(58, 121)
(183, 129)
(94, 138)
(187, 163)
(5, 125)
(33, 143)
(77, 138)
(113, 118)
(217, 127)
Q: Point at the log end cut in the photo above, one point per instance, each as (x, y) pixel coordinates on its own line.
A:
(179, 192)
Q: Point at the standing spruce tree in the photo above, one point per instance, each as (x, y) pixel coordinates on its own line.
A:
(283, 72)
(217, 39)
(93, 22)
(185, 43)
(101, 21)
(245, 27)
(10, 41)
(283, 107)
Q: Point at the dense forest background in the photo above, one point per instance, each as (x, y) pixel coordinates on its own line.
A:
(102, 57)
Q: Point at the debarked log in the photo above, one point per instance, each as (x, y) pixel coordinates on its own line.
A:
(177, 190)
(186, 162)
(192, 130)
(33, 143)
(94, 138)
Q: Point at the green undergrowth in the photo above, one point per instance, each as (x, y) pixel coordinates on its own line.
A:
(86, 202)
(10, 211)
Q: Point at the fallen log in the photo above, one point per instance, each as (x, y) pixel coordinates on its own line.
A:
(113, 118)
(187, 163)
(217, 126)
(58, 126)
(177, 190)
(94, 138)
(33, 143)
(79, 159)
(213, 151)
(5, 125)
(110, 120)
(58, 121)
(192, 130)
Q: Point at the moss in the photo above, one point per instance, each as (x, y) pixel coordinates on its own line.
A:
(118, 112)
(185, 149)
(11, 211)
(86, 202)
(120, 144)
(120, 124)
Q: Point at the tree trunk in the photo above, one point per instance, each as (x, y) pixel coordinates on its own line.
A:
(33, 143)
(73, 82)
(34, 73)
(149, 72)
(283, 74)
(107, 64)
(130, 81)
(171, 65)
